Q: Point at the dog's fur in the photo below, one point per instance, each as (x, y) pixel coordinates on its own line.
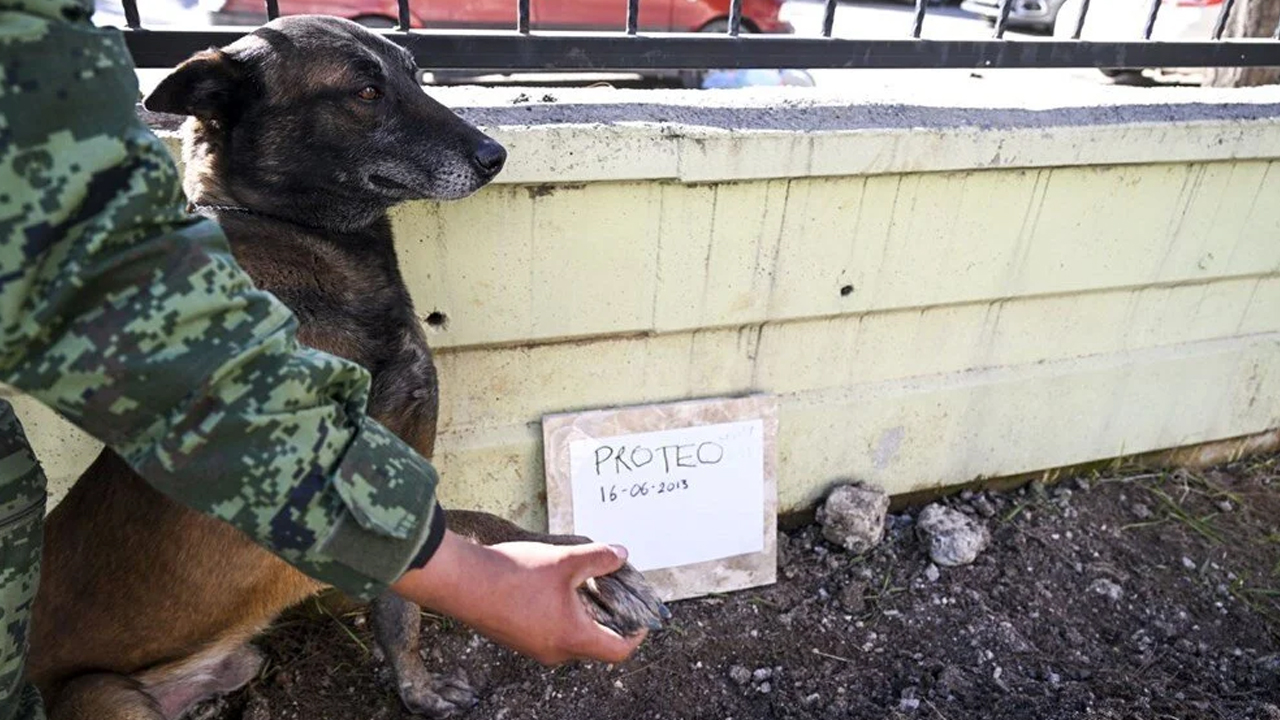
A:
(146, 607)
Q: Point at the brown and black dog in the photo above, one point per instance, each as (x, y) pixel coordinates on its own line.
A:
(302, 136)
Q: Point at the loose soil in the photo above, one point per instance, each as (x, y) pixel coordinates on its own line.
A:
(1152, 595)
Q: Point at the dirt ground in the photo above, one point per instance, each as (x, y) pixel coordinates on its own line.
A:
(1150, 595)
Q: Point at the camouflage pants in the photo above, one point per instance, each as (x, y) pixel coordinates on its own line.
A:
(22, 496)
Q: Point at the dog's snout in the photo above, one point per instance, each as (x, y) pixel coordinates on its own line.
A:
(489, 157)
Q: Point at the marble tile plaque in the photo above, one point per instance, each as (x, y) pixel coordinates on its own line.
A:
(689, 487)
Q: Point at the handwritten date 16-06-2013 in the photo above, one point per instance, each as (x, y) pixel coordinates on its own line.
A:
(614, 493)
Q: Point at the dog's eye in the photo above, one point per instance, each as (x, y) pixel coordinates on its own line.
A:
(369, 93)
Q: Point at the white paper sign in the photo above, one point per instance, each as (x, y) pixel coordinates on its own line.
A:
(672, 497)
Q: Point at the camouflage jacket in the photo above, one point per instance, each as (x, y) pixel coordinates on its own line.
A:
(132, 319)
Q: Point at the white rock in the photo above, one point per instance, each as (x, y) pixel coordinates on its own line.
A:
(1103, 586)
(953, 538)
(853, 517)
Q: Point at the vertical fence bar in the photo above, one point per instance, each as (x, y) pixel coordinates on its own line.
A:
(1084, 12)
(1004, 18)
(918, 25)
(633, 16)
(131, 17)
(829, 18)
(402, 6)
(522, 17)
(273, 9)
(1151, 19)
(735, 17)
(1220, 26)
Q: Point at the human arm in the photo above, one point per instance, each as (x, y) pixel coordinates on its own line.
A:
(522, 595)
(133, 320)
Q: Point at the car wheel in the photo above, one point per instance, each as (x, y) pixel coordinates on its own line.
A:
(1123, 76)
(376, 22)
(692, 79)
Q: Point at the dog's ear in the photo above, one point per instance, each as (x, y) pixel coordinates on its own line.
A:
(204, 86)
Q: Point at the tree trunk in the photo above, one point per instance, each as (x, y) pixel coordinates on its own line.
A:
(1249, 18)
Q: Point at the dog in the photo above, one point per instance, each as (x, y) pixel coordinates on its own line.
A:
(301, 136)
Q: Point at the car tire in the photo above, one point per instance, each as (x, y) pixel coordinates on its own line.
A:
(1123, 76)
(376, 22)
(692, 79)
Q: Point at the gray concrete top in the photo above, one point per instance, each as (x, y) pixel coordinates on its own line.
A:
(922, 124)
(934, 99)
(919, 99)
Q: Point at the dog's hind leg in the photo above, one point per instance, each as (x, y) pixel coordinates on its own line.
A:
(221, 668)
(104, 696)
(397, 626)
(162, 693)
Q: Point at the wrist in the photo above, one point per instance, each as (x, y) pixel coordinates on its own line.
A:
(450, 581)
(435, 536)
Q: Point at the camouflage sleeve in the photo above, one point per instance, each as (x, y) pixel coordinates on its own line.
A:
(133, 320)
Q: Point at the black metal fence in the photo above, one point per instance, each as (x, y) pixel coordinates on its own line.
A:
(520, 49)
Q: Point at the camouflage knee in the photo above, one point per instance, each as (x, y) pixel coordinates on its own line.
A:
(22, 496)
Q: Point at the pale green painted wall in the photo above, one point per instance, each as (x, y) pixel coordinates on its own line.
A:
(1007, 316)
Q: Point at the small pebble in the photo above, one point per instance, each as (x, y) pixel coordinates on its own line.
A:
(932, 573)
(983, 506)
(853, 598)
(1188, 563)
(1102, 586)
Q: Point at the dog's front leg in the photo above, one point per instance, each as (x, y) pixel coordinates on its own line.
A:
(397, 626)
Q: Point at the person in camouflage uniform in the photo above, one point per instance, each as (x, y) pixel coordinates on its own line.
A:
(131, 318)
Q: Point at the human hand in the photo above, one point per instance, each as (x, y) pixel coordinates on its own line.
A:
(522, 595)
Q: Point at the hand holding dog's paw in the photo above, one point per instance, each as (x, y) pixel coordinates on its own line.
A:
(534, 598)
(623, 602)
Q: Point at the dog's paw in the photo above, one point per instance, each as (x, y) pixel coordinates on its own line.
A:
(624, 602)
(436, 695)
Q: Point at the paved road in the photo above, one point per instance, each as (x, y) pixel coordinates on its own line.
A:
(861, 19)
(882, 20)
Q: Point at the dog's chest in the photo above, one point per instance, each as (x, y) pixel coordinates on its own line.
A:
(354, 305)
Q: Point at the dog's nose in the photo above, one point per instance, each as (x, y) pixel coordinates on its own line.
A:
(490, 156)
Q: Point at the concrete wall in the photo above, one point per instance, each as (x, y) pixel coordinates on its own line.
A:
(935, 294)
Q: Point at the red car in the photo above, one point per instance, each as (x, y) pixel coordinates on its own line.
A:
(655, 15)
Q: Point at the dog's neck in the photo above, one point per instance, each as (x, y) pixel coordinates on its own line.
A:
(215, 208)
